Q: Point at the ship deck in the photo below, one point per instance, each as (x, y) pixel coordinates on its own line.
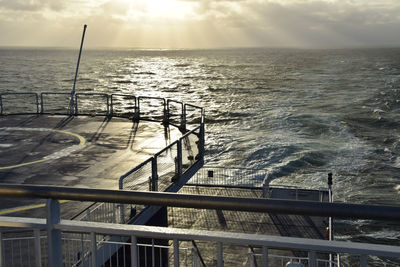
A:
(245, 222)
(79, 151)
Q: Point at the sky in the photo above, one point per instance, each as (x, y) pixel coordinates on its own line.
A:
(180, 24)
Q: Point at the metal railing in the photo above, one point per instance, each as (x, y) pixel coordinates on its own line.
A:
(255, 260)
(29, 248)
(99, 104)
(95, 232)
(229, 177)
(165, 168)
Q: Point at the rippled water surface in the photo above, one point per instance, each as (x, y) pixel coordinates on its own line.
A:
(298, 113)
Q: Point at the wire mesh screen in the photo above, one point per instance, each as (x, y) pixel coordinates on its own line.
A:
(190, 149)
(151, 108)
(193, 114)
(55, 103)
(123, 105)
(19, 103)
(75, 249)
(166, 166)
(102, 212)
(92, 104)
(229, 177)
(138, 179)
(175, 112)
(18, 248)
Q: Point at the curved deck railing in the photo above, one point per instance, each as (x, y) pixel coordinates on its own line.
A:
(149, 108)
(171, 166)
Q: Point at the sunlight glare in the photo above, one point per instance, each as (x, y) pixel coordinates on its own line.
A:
(166, 9)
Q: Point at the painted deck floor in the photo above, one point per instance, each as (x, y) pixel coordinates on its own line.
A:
(82, 151)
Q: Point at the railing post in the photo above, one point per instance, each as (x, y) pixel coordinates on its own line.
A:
(76, 106)
(41, 104)
(183, 118)
(2, 263)
(134, 251)
(166, 114)
(312, 259)
(154, 175)
(53, 235)
(109, 113)
(363, 261)
(121, 205)
(220, 257)
(179, 160)
(202, 140)
(176, 253)
(264, 260)
(137, 109)
(38, 254)
(93, 248)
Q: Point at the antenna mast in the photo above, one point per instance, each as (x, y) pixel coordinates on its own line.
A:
(71, 102)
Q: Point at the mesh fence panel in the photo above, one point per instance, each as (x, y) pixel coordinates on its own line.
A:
(138, 179)
(229, 177)
(190, 149)
(151, 108)
(19, 103)
(75, 249)
(92, 104)
(166, 166)
(55, 103)
(102, 212)
(193, 114)
(175, 110)
(123, 105)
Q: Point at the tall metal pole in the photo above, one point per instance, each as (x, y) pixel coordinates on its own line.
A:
(330, 218)
(71, 103)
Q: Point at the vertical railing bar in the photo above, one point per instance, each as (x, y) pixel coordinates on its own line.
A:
(124, 255)
(220, 257)
(108, 105)
(161, 255)
(312, 259)
(179, 159)
(154, 175)
(38, 256)
(264, 257)
(2, 262)
(93, 248)
(53, 235)
(134, 251)
(37, 103)
(76, 106)
(41, 104)
(363, 260)
(176, 253)
(153, 258)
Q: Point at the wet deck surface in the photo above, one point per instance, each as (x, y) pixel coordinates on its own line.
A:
(82, 151)
(241, 222)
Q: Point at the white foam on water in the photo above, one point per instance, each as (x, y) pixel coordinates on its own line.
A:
(6, 145)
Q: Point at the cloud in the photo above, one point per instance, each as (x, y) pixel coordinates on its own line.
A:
(35, 5)
(203, 23)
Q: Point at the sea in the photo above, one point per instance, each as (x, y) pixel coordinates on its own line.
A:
(298, 113)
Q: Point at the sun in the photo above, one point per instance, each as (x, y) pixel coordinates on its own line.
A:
(172, 9)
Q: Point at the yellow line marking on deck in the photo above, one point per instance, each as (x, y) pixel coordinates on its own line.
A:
(24, 208)
(82, 142)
